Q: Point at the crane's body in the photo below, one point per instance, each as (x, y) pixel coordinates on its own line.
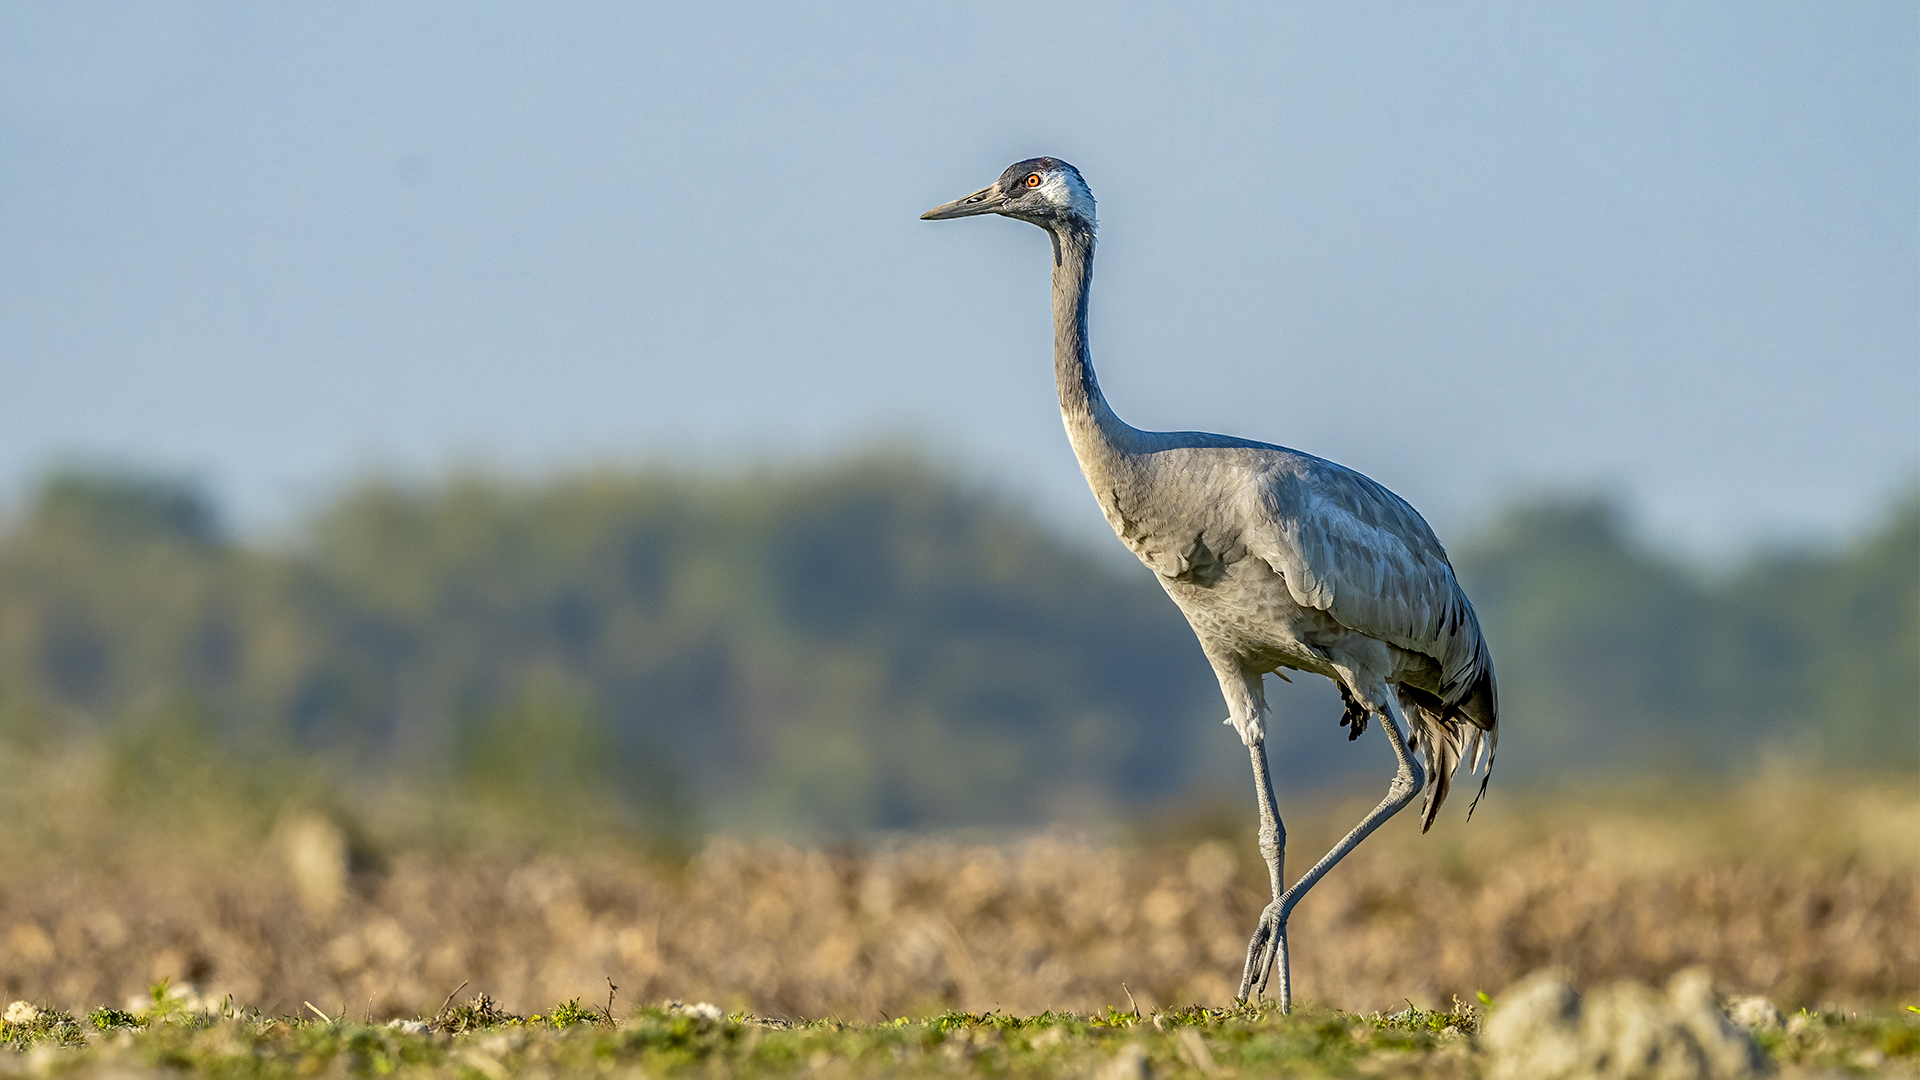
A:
(1278, 559)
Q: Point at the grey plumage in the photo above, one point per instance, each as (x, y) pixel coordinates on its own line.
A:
(1278, 559)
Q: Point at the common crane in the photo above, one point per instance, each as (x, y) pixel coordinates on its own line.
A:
(1278, 559)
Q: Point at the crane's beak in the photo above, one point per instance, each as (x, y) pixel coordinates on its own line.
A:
(987, 200)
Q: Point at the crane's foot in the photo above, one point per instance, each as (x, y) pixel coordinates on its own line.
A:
(1265, 952)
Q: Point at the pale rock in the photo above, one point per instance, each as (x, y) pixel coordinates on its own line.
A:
(1542, 1029)
(1755, 1014)
(700, 1010)
(1533, 1032)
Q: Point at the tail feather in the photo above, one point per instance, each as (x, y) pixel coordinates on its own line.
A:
(1444, 738)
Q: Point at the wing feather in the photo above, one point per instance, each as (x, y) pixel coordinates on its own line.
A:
(1349, 547)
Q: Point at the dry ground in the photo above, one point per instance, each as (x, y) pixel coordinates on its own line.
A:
(1802, 891)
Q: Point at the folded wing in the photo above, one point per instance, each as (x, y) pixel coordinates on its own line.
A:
(1348, 546)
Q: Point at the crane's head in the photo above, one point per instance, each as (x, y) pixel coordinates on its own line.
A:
(1045, 191)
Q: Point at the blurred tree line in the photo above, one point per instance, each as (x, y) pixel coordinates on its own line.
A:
(1610, 653)
(866, 644)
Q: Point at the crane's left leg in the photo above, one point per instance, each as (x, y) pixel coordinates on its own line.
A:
(1246, 694)
(1269, 939)
(1269, 945)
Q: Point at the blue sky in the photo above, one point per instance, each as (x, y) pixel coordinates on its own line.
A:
(1669, 250)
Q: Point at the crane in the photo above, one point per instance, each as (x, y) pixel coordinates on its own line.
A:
(1279, 560)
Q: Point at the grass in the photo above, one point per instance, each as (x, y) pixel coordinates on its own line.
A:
(478, 1039)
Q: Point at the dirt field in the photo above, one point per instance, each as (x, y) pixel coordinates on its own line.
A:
(1805, 892)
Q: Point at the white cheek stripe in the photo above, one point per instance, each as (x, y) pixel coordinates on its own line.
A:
(1064, 187)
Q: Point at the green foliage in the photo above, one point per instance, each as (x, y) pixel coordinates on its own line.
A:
(1832, 641)
(1592, 637)
(1614, 654)
(1461, 1019)
(571, 1012)
(114, 590)
(119, 507)
(867, 644)
(106, 1019)
(550, 743)
(478, 1014)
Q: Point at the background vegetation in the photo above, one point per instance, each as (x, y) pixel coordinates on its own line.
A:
(523, 736)
(866, 644)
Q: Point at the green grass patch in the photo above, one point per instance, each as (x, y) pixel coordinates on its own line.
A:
(477, 1040)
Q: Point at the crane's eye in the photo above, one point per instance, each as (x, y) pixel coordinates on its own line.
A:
(1033, 179)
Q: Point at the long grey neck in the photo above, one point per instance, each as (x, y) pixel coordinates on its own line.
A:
(1100, 439)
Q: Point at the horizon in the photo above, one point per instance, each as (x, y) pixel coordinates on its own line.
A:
(1462, 531)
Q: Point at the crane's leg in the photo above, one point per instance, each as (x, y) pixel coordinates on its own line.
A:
(1269, 938)
(1245, 691)
(1269, 944)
